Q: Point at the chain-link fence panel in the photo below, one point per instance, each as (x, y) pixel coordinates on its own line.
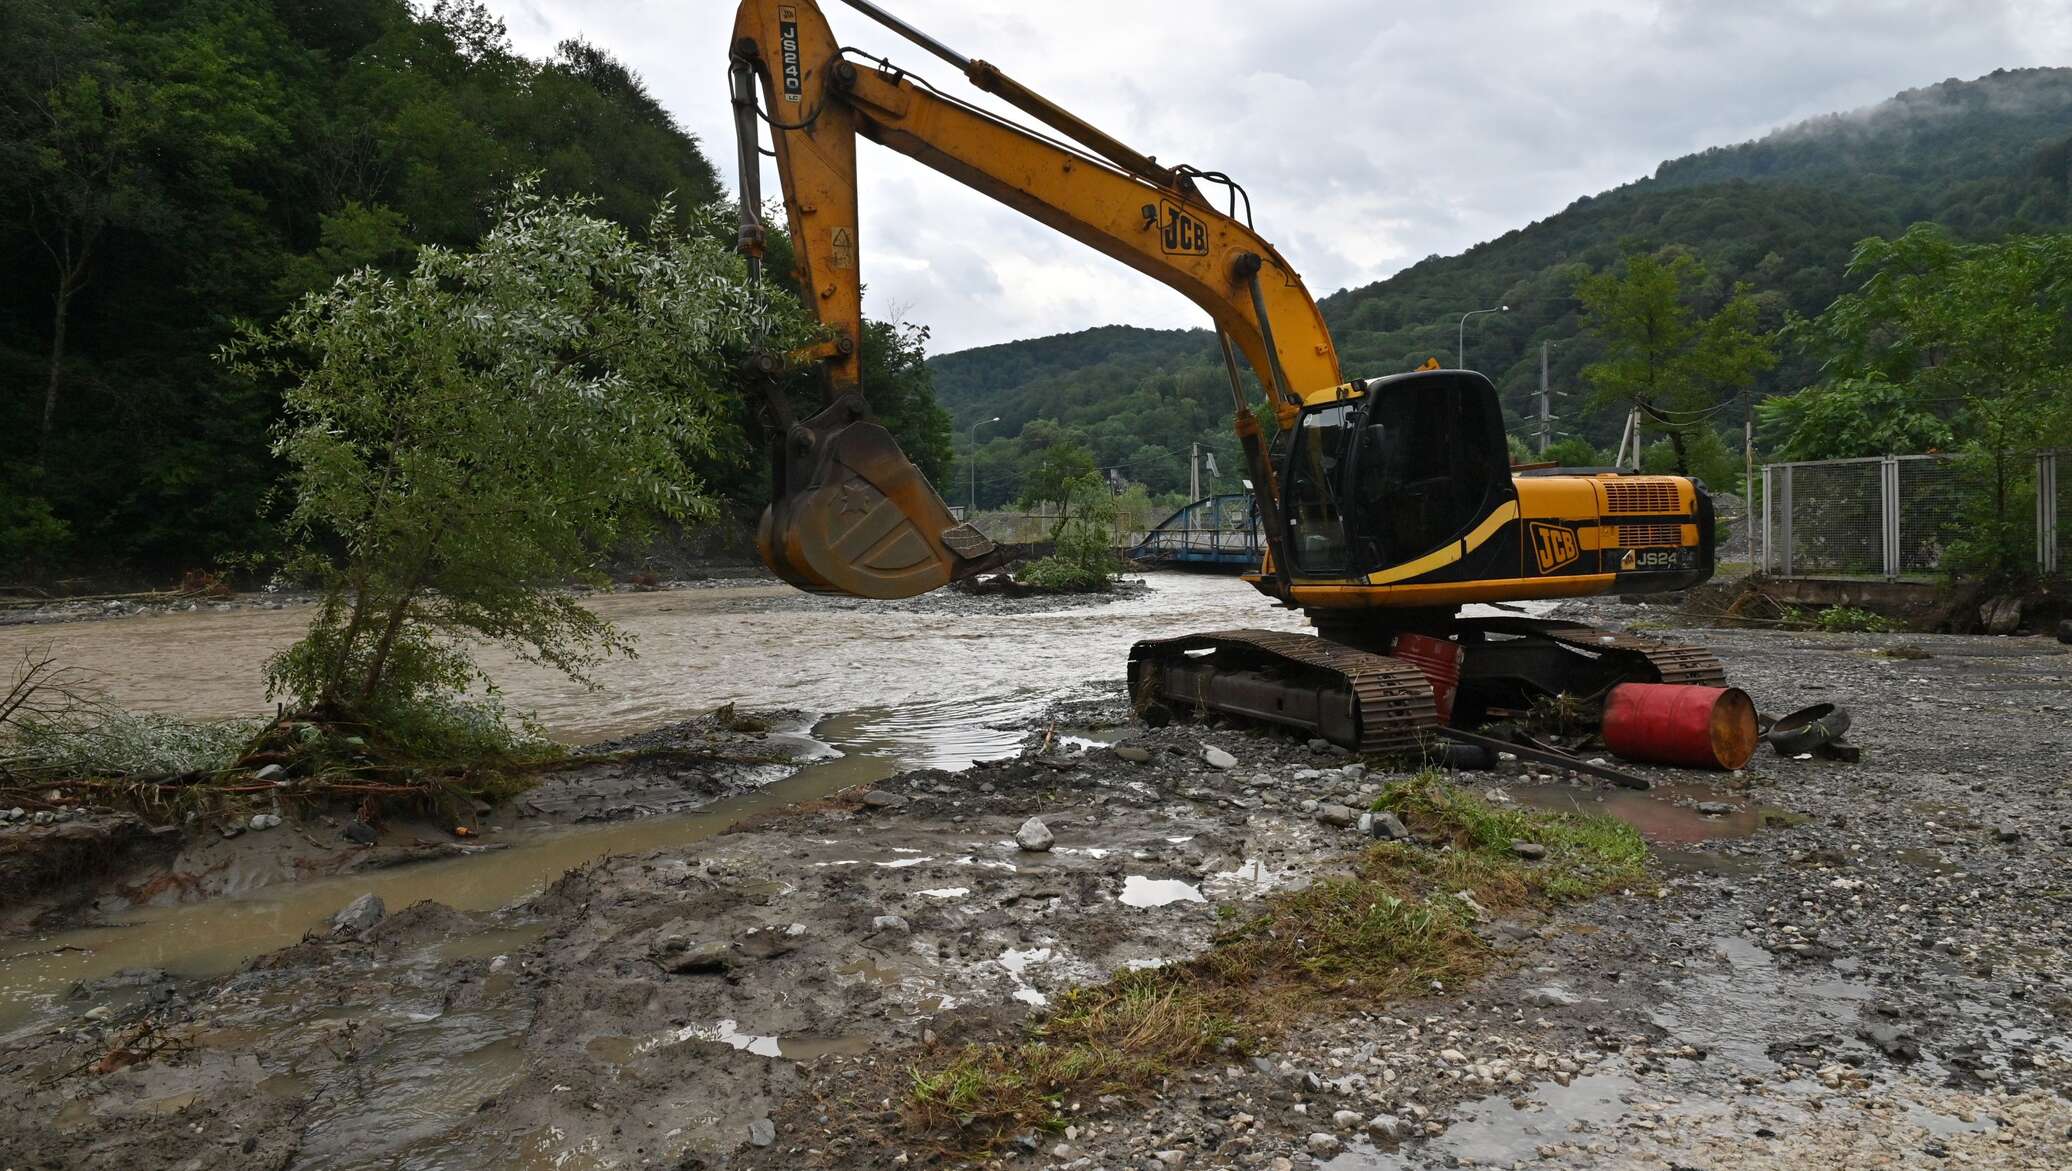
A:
(1827, 519)
(1930, 492)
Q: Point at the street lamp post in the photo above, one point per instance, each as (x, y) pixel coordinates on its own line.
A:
(971, 505)
(1460, 356)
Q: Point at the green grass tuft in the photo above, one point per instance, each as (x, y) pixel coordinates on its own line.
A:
(1391, 927)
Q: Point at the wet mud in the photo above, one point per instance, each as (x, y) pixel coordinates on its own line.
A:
(1832, 965)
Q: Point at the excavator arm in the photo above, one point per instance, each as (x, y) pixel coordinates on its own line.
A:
(851, 515)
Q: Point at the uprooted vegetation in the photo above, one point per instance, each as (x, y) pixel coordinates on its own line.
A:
(1404, 918)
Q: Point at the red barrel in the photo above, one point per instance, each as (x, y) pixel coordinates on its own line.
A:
(1440, 661)
(1669, 723)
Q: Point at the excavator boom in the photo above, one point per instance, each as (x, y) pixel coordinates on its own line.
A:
(850, 514)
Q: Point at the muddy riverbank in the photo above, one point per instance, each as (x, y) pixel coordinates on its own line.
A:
(1854, 965)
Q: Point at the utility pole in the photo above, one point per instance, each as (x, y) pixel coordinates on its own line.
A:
(1748, 450)
(1546, 416)
(1193, 472)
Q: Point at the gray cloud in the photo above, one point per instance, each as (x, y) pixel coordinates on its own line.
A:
(1369, 134)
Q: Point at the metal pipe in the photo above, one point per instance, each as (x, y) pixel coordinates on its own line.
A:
(1273, 353)
(910, 32)
(989, 78)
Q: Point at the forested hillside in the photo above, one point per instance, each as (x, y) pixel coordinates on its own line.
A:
(168, 168)
(1984, 158)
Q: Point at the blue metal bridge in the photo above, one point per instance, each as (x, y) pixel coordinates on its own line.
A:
(1215, 533)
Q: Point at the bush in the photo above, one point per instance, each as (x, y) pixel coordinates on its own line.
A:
(1085, 560)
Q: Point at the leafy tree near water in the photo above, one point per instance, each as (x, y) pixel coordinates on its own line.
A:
(463, 440)
(1085, 557)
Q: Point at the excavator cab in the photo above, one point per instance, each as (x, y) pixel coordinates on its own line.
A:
(1413, 464)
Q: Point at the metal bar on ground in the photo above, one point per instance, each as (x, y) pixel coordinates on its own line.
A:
(1547, 756)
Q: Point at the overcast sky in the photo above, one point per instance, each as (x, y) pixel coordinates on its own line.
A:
(1370, 134)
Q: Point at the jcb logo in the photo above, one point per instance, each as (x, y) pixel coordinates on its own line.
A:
(1554, 546)
(1183, 234)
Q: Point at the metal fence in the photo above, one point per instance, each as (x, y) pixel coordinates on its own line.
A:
(1896, 516)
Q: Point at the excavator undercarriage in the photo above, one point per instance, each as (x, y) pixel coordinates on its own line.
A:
(1391, 699)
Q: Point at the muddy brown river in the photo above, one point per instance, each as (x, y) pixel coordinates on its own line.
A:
(944, 661)
(934, 682)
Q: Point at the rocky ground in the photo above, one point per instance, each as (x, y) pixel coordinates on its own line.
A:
(1838, 965)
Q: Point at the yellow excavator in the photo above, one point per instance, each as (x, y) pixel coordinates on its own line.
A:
(1387, 503)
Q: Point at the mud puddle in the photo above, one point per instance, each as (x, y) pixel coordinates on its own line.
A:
(1666, 815)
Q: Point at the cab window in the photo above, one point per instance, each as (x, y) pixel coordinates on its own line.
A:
(1317, 452)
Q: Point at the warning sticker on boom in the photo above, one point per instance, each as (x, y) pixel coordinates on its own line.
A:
(788, 51)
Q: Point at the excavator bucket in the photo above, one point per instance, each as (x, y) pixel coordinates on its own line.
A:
(853, 516)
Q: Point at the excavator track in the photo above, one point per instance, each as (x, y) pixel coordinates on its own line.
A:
(1673, 662)
(1367, 702)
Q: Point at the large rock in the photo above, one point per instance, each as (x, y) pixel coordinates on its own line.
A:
(1386, 826)
(2001, 615)
(358, 915)
(1034, 835)
(1217, 758)
(1334, 814)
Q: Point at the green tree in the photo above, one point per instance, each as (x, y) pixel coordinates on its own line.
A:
(1942, 345)
(1085, 558)
(465, 439)
(1051, 474)
(1661, 355)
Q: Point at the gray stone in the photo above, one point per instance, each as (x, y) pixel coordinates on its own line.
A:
(762, 1132)
(684, 958)
(1551, 997)
(2065, 631)
(271, 772)
(1133, 753)
(1344, 1119)
(1354, 771)
(2002, 615)
(1035, 836)
(1217, 758)
(1715, 808)
(1386, 1127)
(1319, 745)
(1386, 826)
(2007, 833)
(358, 915)
(361, 833)
(1323, 1143)
(260, 821)
(880, 799)
(889, 923)
(1528, 850)
(1338, 815)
